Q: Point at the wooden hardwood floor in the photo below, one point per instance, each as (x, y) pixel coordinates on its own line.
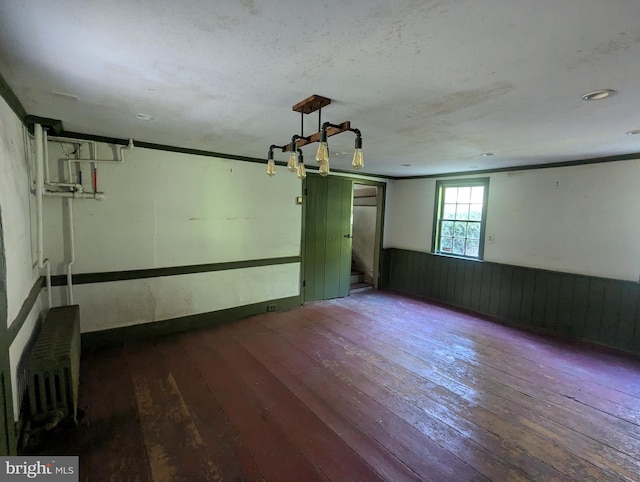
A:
(372, 387)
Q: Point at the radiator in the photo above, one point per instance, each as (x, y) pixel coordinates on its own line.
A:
(53, 369)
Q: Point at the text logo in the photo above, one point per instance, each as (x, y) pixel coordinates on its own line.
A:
(53, 469)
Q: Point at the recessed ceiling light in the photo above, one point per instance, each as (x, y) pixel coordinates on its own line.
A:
(488, 154)
(633, 132)
(598, 94)
(405, 165)
(144, 117)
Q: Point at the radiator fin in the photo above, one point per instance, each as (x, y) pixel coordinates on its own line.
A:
(53, 369)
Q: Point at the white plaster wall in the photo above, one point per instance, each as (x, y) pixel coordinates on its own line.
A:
(167, 209)
(579, 219)
(124, 303)
(17, 208)
(409, 214)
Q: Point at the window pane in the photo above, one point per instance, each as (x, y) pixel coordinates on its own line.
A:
(477, 194)
(462, 211)
(447, 228)
(449, 211)
(475, 212)
(451, 195)
(464, 194)
(460, 222)
(472, 248)
(458, 245)
(460, 230)
(473, 231)
(446, 244)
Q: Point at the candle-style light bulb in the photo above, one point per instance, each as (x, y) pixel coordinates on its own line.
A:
(322, 154)
(271, 165)
(301, 171)
(324, 169)
(271, 168)
(292, 165)
(358, 159)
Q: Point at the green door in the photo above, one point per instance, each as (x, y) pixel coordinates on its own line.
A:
(327, 237)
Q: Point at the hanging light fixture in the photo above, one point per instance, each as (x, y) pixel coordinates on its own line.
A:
(296, 158)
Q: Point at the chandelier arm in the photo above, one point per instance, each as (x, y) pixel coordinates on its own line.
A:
(331, 130)
(326, 125)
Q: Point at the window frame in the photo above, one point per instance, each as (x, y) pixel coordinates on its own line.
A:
(439, 207)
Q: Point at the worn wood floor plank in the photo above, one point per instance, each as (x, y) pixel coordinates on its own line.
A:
(375, 386)
(484, 451)
(560, 362)
(572, 360)
(378, 427)
(278, 457)
(481, 408)
(482, 359)
(175, 448)
(615, 455)
(117, 445)
(321, 446)
(226, 449)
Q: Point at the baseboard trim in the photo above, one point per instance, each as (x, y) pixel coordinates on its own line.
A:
(96, 339)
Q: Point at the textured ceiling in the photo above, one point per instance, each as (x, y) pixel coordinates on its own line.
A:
(432, 83)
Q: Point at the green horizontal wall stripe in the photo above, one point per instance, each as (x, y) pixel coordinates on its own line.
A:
(86, 278)
(25, 309)
(11, 99)
(583, 308)
(112, 336)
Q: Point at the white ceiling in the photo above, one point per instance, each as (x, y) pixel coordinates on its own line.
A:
(431, 83)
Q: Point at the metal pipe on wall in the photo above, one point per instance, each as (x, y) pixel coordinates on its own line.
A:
(118, 160)
(40, 136)
(75, 192)
(72, 251)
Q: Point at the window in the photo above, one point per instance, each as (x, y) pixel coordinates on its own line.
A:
(459, 221)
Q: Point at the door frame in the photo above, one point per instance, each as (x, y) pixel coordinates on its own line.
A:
(380, 212)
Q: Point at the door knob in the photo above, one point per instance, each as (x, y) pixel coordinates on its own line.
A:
(348, 236)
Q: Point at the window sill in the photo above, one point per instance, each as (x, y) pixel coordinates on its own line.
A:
(447, 255)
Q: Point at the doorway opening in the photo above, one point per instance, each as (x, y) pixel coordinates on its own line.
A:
(365, 245)
(341, 230)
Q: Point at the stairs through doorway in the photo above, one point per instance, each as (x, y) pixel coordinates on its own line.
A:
(358, 282)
